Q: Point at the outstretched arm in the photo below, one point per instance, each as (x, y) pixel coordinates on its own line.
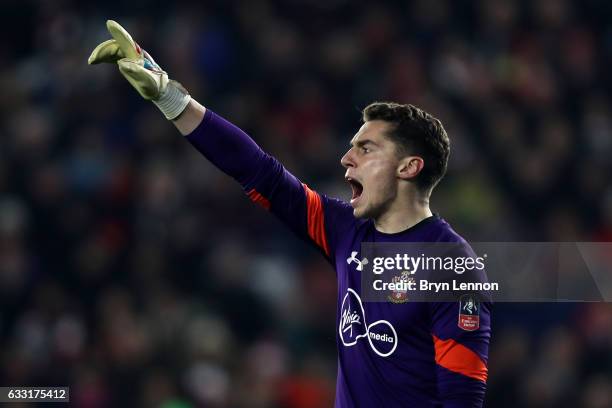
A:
(262, 177)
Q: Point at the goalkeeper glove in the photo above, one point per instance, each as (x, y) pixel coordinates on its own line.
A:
(141, 71)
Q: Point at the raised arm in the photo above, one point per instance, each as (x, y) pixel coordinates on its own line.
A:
(263, 178)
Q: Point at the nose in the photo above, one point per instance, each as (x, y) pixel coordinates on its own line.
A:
(347, 160)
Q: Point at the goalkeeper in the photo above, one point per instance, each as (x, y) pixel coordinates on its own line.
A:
(409, 354)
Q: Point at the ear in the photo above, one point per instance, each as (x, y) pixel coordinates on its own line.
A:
(409, 167)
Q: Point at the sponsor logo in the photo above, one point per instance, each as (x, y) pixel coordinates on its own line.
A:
(381, 335)
(469, 313)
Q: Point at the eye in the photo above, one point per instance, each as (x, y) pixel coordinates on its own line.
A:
(365, 149)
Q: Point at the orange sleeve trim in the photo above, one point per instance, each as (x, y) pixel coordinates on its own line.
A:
(316, 219)
(259, 199)
(459, 359)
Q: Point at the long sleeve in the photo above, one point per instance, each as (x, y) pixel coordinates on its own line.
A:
(267, 182)
(461, 351)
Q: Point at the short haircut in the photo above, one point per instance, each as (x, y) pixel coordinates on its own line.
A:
(415, 132)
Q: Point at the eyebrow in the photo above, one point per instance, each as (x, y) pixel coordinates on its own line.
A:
(362, 143)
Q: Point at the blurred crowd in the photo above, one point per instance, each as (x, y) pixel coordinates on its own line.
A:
(138, 274)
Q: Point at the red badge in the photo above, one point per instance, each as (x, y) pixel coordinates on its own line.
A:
(469, 313)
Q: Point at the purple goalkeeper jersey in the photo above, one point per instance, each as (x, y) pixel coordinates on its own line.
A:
(412, 354)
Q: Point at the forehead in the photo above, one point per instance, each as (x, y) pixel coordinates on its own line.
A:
(373, 130)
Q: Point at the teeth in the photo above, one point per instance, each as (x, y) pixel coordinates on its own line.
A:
(356, 187)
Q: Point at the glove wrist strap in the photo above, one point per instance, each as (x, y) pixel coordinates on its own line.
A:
(173, 101)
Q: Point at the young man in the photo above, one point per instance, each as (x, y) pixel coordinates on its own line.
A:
(411, 354)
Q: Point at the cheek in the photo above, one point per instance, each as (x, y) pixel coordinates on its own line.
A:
(381, 179)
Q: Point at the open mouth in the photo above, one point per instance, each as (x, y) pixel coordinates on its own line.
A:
(357, 188)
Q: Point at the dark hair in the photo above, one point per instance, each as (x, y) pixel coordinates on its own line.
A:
(415, 132)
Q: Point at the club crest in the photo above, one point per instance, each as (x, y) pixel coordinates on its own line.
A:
(399, 295)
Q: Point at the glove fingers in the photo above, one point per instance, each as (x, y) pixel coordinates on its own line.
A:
(108, 51)
(127, 45)
(145, 81)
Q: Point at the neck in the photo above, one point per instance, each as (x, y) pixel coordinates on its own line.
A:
(403, 215)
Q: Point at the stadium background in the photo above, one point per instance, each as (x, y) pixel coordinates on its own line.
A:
(136, 273)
